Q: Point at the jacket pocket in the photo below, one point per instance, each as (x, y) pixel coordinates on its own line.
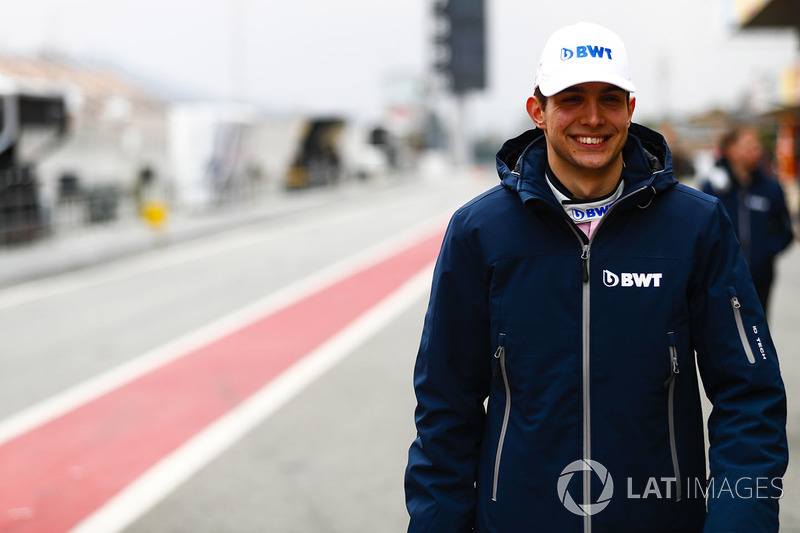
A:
(670, 386)
(500, 360)
(737, 316)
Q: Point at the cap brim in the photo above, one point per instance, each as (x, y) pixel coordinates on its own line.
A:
(556, 85)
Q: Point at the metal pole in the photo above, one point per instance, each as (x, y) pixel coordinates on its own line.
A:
(461, 152)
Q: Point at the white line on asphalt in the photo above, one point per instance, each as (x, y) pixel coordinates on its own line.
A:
(168, 474)
(82, 393)
(154, 260)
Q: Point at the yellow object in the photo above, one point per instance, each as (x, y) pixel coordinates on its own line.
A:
(297, 177)
(155, 213)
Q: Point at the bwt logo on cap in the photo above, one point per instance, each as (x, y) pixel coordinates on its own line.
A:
(586, 51)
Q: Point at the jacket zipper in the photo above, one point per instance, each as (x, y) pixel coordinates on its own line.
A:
(585, 360)
(737, 315)
(586, 355)
(500, 355)
(587, 405)
(670, 385)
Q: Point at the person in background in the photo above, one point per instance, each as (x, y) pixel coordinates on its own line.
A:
(754, 201)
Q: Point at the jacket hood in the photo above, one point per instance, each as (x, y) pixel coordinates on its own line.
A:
(522, 161)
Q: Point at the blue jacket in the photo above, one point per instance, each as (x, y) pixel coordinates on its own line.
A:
(759, 214)
(585, 350)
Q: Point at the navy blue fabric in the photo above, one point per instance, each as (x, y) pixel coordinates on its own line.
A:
(510, 271)
(769, 227)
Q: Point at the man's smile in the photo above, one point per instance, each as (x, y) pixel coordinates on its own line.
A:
(590, 140)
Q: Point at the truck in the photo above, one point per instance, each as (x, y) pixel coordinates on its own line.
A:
(32, 124)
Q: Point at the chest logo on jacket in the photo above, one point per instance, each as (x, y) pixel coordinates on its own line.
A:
(631, 279)
(757, 203)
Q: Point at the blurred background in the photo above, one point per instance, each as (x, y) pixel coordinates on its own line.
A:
(177, 173)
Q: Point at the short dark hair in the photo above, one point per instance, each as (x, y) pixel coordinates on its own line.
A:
(537, 93)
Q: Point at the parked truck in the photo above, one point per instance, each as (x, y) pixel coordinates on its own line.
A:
(32, 124)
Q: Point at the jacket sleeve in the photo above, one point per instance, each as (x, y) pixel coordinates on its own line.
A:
(451, 380)
(741, 376)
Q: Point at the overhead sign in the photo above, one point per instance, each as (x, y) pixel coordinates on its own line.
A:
(461, 43)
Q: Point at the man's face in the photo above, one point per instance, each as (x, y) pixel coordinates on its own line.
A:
(745, 152)
(586, 127)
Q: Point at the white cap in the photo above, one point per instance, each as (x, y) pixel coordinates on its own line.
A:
(581, 53)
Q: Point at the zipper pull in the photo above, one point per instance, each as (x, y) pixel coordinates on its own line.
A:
(585, 263)
(673, 360)
(674, 371)
(499, 353)
(673, 352)
(501, 346)
(735, 302)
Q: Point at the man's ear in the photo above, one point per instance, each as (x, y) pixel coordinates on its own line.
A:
(536, 112)
(631, 107)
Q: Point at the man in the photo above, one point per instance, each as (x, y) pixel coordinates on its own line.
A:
(571, 299)
(755, 203)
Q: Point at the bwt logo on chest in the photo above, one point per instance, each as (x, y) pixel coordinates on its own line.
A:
(586, 51)
(631, 279)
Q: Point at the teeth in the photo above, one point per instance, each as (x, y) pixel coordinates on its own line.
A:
(590, 140)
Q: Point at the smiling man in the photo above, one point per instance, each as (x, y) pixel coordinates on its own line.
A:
(572, 306)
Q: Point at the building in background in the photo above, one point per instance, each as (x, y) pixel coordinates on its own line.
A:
(123, 147)
(116, 126)
(114, 139)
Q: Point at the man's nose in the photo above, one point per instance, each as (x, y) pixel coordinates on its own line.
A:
(592, 114)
